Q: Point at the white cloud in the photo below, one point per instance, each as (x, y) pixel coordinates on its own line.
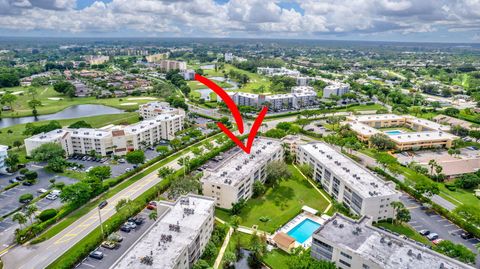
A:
(242, 17)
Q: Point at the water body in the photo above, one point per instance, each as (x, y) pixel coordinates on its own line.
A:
(71, 112)
(205, 93)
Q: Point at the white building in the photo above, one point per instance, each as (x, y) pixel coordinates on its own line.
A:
(233, 179)
(274, 71)
(280, 101)
(356, 244)
(3, 156)
(304, 96)
(153, 109)
(304, 80)
(117, 140)
(228, 57)
(349, 183)
(245, 99)
(169, 65)
(188, 74)
(177, 239)
(338, 89)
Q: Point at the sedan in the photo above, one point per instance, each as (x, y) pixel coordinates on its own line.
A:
(52, 196)
(466, 235)
(102, 204)
(96, 254)
(432, 236)
(152, 205)
(130, 225)
(125, 228)
(110, 244)
(424, 232)
(437, 241)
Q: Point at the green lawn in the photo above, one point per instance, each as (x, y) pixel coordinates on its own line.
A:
(195, 85)
(53, 105)
(7, 138)
(280, 204)
(406, 230)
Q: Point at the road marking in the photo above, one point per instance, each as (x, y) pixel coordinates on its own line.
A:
(450, 224)
(413, 207)
(89, 265)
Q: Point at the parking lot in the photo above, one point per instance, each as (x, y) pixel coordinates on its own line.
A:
(112, 255)
(423, 218)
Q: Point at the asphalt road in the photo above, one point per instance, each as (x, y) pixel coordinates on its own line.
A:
(427, 219)
(42, 254)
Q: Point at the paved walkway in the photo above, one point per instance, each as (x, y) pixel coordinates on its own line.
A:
(218, 261)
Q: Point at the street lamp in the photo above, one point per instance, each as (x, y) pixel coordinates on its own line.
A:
(101, 223)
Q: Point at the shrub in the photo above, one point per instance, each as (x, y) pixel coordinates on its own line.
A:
(47, 214)
(27, 197)
(451, 187)
(23, 171)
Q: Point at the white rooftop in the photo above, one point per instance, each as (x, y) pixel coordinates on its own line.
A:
(89, 133)
(379, 117)
(49, 136)
(145, 124)
(234, 169)
(163, 241)
(380, 247)
(357, 177)
(419, 136)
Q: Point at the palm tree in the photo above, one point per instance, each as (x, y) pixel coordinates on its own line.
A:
(20, 218)
(397, 206)
(153, 216)
(30, 212)
(235, 222)
(432, 163)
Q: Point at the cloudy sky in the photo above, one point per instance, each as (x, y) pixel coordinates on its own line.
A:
(391, 20)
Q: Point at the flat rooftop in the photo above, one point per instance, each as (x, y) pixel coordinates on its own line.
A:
(421, 136)
(178, 225)
(49, 136)
(357, 177)
(145, 124)
(379, 117)
(381, 247)
(89, 133)
(234, 169)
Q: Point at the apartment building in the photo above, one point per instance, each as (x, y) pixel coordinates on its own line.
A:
(169, 65)
(177, 239)
(356, 244)
(117, 140)
(233, 179)
(245, 99)
(156, 58)
(153, 109)
(361, 191)
(96, 59)
(273, 71)
(188, 74)
(424, 134)
(304, 80)
(280, 101)
(338, 89)
(304, 96)
(3, 156)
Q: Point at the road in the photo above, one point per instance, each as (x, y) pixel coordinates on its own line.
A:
(42, 254)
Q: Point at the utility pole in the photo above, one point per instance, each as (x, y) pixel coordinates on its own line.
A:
(101, 223)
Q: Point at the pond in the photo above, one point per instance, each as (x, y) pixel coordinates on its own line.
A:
(71, 112)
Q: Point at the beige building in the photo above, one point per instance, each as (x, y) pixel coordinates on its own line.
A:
(357, 244)
(361, 191)
(425, 134)
(153, 109)
(97, 59)
(117, 140)
(177, 239)
(156, 58)
(169, 65)
(233, 179)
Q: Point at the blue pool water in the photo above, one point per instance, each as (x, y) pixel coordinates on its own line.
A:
(303, 230)
(395, 132)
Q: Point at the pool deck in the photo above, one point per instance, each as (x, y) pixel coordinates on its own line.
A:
(297, 220)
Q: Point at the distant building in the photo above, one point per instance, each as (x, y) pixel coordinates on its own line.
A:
(96, 59)
(153, 109)
(81, 90)
(156, 58)
(177, 239)
(169, 65)
(233, 179)
(338, 89)
(274, 71)
(361, 191)
(228, 57)
(357, 244)
(3, 156)
(188, 74)
(116, 140)
(304, 80)
(304, 96)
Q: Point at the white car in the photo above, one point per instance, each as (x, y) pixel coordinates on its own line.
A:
(56, 192)
(51, 196)
(42, 190)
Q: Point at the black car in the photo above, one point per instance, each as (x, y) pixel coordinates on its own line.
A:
(125, 228)
(20, 166)
(466, 235)
(27, 183)
(20, 178)
(96, 255)
(102, 204)
(137, 220)
(424, 232)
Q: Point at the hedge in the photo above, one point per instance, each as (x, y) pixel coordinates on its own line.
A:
(81, 249)
(47, 214)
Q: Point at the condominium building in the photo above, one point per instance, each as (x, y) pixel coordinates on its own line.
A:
(274, 71)
(228, 57)
(245, 99)
(349, 183)
(153, 109)
(156, 58)
(169, 65)
(338, 89)
(356, 244)
(3, 156)
(97, 59)
(233, 179)
(178, 237)
(188, 74)
(304, 96)
(117, 140)
(280, 101)
(304, 80)
(424, 134)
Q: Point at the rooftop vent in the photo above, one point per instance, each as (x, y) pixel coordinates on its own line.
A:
(419, 256)
(340, 225)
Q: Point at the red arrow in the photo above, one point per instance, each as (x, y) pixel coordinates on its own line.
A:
(236, 114)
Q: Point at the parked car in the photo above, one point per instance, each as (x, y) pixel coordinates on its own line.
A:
(20, 178)
(152, 205)
(115, 237)
(437, 241)
(121, 160)
(28, 183)
(130, 225)
(41, 190)
(466, 235)
(13, 180)
(424, 232)
(102, 204)
(96, 254)
(56, 192)
(137, 220)
(20, 166)
(125, 228)
(110, 244)
(128, 169)
(51, 196)
(432, 236)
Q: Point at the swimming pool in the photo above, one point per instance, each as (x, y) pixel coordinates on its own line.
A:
(303, 230)
(394, 132)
